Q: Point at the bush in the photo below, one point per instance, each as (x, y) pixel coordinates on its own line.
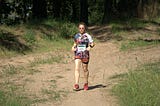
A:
(67, 30)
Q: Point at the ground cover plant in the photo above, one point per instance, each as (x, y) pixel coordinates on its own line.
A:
(140, 87)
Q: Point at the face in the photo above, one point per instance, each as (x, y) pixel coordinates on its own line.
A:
(81, 29)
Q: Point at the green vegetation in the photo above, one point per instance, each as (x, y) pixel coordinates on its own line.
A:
(140, 87)
(133, 33)
(138, 43)
(57, 37)
(9, 99)
(48, 60)
(29, 36)
(127, 25)
(12, 95)
(29, 27)
(53, 93)
(46, 35)
(10, 70)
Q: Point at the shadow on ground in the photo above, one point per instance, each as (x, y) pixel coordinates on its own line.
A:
(121, 30)
(12, 42)
(96, 86)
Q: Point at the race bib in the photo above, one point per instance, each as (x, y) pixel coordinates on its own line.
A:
(81, 48)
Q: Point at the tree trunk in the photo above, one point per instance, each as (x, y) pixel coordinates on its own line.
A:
(84, 11)
(140, 9)
(75, 10)
(148, 9)
(107, 11)
(57, 4)
(39, 9)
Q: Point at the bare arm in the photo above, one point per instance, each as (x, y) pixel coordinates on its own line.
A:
(91, 45)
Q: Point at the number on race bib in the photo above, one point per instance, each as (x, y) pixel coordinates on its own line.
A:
(81, 48)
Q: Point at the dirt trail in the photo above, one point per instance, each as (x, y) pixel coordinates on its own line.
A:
(106, 61)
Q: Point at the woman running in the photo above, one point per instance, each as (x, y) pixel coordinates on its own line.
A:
(83, 42)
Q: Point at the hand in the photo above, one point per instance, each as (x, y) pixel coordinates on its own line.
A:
(92, 45)
(74, 49)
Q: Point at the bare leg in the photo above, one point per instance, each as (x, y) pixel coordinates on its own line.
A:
(77, 70)
(86, 72)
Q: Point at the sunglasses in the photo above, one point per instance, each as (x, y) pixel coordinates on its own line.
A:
(82, 28)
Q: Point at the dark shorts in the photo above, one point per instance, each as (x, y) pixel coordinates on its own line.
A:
(83, 56)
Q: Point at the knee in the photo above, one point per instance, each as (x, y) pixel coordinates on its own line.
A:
(77, 69)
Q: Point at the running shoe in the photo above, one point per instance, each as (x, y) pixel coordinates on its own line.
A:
(76, 87)
(86, 86)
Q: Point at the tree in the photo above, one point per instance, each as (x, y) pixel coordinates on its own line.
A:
(95, 11)
(84, 11)
(2, 5)
(148, 9)
(75, 10)
(107, 11)
(57, 4)
(39, 9)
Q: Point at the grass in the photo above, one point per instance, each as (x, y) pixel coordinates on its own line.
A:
(10, 70)
(53, 36)
(29, 36)
(31, 71)
(43, 36)
(50, 35)
(140, 87)
(53, 93)
(9, 99)
(127, 25)
(128, 45)
(11, 95)
(6, 53)
(124, 28)
(54, 46)
(48, 60)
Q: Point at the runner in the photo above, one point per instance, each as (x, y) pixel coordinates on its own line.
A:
(83, 42)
